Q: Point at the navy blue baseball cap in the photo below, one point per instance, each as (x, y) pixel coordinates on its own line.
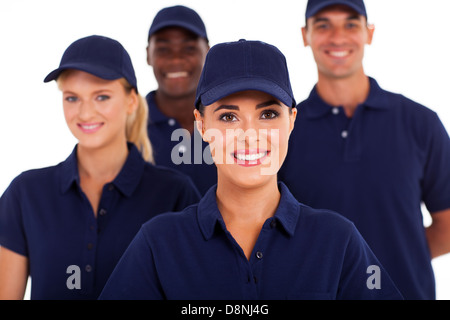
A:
(244, 65)
(315, 6)
(178, 16)
(100, 56)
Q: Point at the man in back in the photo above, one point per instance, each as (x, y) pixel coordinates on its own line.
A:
(372, 155)
(177, 48)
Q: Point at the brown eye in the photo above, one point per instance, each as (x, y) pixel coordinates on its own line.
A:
(228, 117)
(269, 114)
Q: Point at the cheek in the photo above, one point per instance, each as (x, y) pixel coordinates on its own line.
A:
(70, 113)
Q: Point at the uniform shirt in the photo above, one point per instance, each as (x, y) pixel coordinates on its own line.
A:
(174, 147)
(375, 169)
(45, 216)
(301, 253)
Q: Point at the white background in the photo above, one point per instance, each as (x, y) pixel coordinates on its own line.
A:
(409, 55)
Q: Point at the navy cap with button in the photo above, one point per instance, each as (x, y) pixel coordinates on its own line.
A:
(178, 16)
(100, 56)
(255, 66)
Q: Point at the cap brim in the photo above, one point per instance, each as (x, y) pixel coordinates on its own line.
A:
(237, 85)
(325, 4)
(96, 70)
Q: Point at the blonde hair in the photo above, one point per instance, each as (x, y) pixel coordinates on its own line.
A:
(136, 123)
(136, 127)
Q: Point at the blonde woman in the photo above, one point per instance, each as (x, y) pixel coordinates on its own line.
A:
(67, 226)
(248, 238)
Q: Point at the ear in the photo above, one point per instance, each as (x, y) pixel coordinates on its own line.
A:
(199, 123)
(292, 118)
(133, 102)
(371, 31)
(149, 60)
(305, 36)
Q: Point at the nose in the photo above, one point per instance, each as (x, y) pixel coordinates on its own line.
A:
(86, 110)
(248, 134)
(338, 36)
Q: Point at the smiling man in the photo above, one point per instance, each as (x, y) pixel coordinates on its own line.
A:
(177, 48)
(371, 155)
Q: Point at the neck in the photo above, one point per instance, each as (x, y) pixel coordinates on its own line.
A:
(102, 164)
(178, 108)
(348, 92)
(252, 205)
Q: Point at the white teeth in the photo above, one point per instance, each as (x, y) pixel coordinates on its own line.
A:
(90, 127)
(181, 74)
(250, 157)
(339, 54)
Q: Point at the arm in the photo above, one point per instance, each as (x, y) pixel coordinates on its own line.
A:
(13, 275)
(438, 233)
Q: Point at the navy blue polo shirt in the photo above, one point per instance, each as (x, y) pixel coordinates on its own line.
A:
(301, 253)
(375, 169)
(187, 153)
(45, 216)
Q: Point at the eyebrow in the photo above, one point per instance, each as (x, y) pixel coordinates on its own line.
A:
(258, 106)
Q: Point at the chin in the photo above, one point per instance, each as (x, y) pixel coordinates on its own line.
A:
(250, 180)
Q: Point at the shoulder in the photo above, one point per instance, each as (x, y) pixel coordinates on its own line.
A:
(168, 224)
(325, 224)
(36, 177)
(406, 105)
(324, 217)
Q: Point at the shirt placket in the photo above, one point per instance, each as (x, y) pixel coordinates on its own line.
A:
(348, 131)
(95, 226)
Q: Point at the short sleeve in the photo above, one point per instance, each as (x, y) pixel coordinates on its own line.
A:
(436, 179)
(12, 232)
(362, 276)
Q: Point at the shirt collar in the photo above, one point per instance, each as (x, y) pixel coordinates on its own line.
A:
(155, 115)
(317, 108)
(126, 181)
(209, 216)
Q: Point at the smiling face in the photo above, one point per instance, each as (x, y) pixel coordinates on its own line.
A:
(95, 109)
(177, 57)
(337, 36)
(248, 133)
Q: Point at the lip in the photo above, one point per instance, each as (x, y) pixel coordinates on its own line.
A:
(90, 128)
(250, 157)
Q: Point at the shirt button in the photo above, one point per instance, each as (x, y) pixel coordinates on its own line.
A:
(259, 255)
(344, 134)
(171, 122)
(335, 111)
(273, 224)
(102, 212)
(88, 268)
(90, 246)
(111, 187)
